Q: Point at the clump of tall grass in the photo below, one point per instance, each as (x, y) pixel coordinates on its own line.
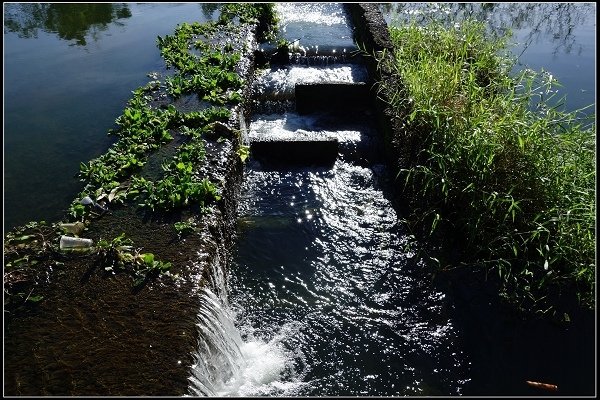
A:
(492, 167)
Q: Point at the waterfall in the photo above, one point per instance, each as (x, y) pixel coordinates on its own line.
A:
(230, 360)
(219, 357)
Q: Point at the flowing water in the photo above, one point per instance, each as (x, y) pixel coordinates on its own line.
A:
(325, 295)
(320, 250)
(325, 292)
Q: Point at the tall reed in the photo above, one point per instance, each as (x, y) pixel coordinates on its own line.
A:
(493, 169)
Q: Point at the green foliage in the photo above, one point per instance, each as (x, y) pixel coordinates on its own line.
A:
(115, 254)
(151, 266)
(184, 228)
(243, 152)
(491, 167)
(24, 244)
(211, 74)
(262, 15)
(119, 255)
(28, 254)
(209, 71)
(197, 119)
(179, 186)
(142, 129)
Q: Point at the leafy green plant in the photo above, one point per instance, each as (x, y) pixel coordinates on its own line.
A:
(29, 252)
(490, 168)
(243, 152)
(263, 15)
(115, 254)
(140, 130)
(149, 265)
(184, 228)
(119, 255)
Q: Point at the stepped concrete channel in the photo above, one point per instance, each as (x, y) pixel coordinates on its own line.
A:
(95, 335)
(325, 296)
(314, 196)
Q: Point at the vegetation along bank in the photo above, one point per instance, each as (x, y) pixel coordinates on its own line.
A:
(498, 180)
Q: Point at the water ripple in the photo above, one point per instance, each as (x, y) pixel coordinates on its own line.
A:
(366, 320)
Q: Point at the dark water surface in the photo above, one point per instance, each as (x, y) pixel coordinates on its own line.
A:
(326, 296)
(68, 71)
(323, 274)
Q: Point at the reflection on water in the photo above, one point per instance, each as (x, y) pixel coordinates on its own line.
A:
(68, 21)
(555, 21)
(68, 71)
(556, 37)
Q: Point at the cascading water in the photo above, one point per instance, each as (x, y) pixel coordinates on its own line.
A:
(326, 297)
(230, 361)
(280, 84)
(321, 248)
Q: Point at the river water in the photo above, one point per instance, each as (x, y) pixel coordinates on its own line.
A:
(323, 275)
(68, 73)
(325, 295)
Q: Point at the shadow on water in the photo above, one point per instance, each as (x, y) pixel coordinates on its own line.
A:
(506, 349)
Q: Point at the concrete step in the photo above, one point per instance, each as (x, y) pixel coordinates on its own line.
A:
(308, 148)
(335, 97)
(310, 55)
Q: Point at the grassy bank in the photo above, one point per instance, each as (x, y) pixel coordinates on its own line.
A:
(487, 166)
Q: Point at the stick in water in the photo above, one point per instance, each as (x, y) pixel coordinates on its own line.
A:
(545, 386)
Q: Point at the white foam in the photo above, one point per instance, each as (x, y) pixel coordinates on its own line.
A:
(317, 13)
(226, 365)
(280, 84)
(291, 125)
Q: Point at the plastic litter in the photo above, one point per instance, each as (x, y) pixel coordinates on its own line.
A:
(75, 228)
(97, 208)
(75, 243)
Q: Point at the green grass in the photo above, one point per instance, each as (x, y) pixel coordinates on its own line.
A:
(490, 168)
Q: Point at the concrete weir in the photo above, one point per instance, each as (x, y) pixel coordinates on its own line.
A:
(340, 98)
(372, 34)
(93, 334)
(96, 333)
